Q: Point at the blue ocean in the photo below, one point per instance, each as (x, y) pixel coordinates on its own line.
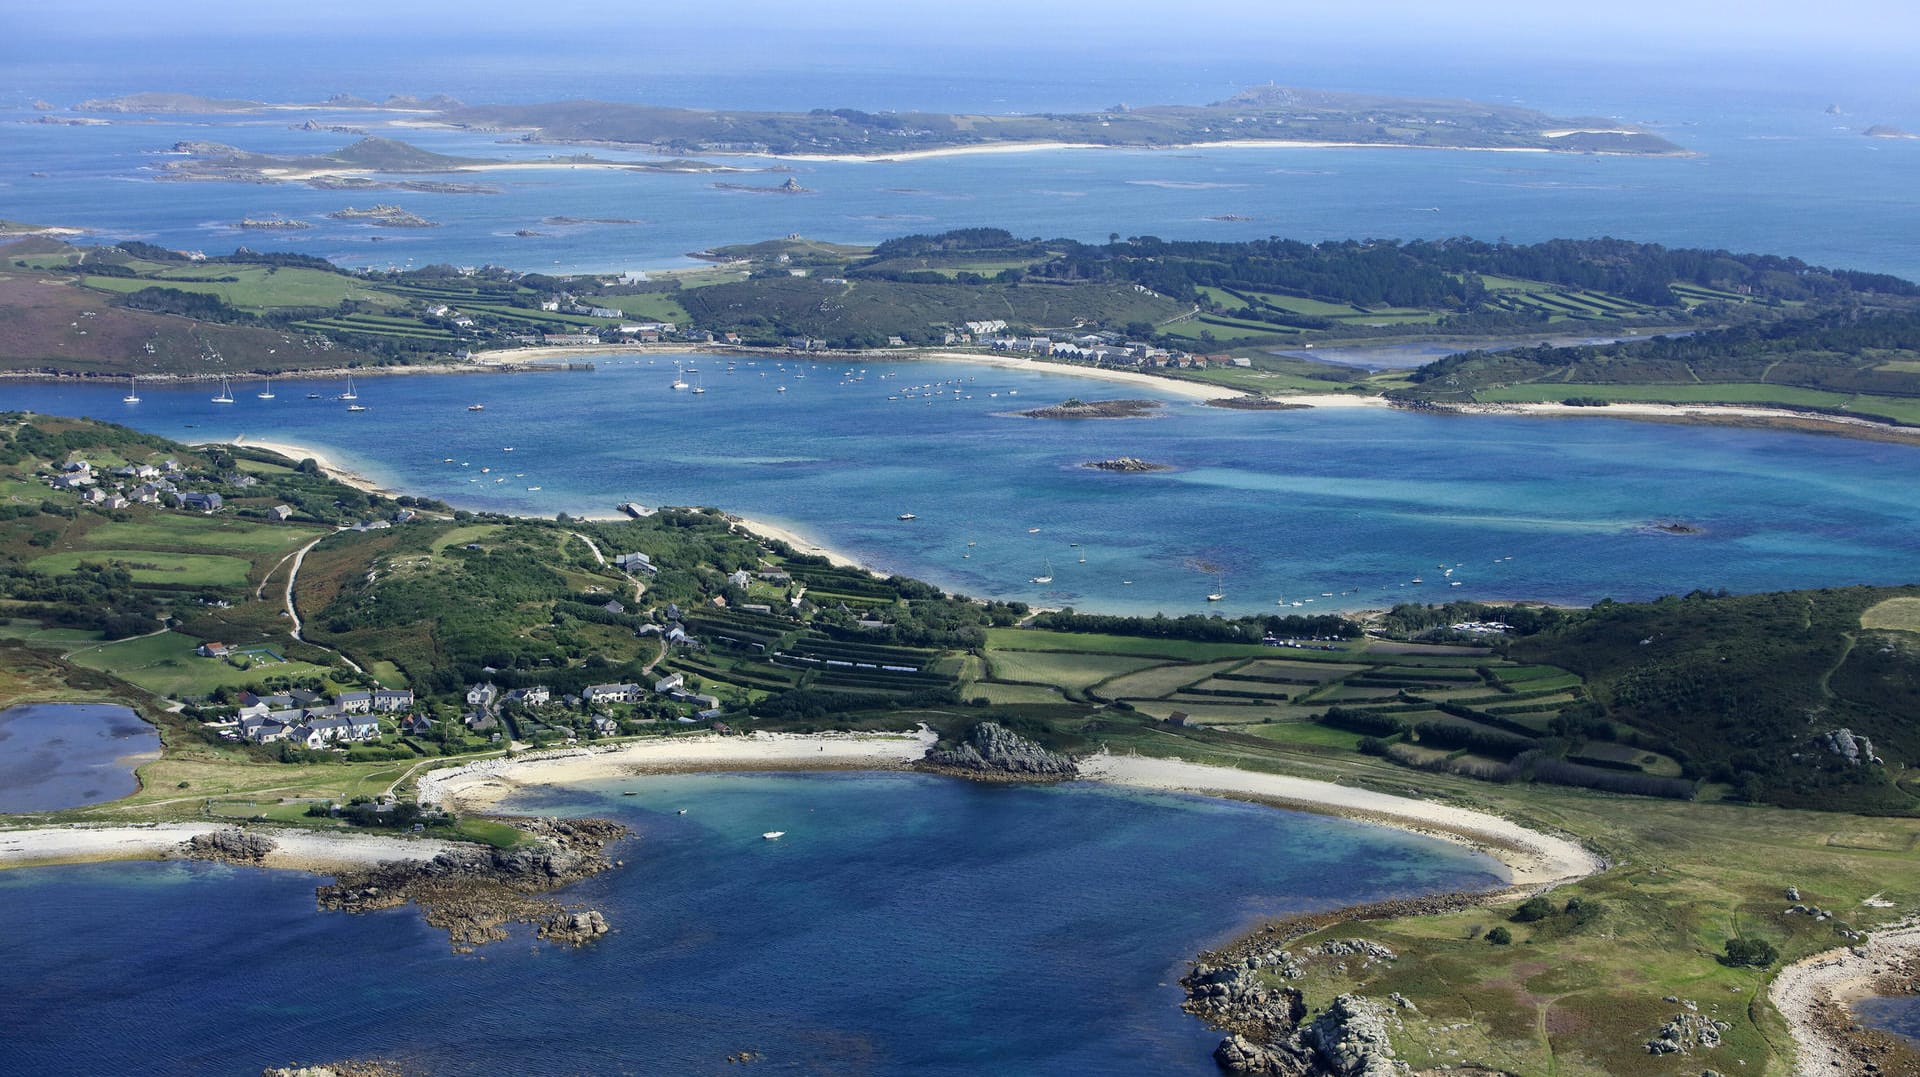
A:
(904, 924)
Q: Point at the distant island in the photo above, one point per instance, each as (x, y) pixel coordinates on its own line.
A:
(1887, 130)
(1257, 115)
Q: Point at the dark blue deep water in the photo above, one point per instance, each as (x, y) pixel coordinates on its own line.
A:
(905, 924)
(64, 755)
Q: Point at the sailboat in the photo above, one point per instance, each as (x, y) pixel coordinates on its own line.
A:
(679, 378)
(697, 387)
(349, 394)
(1219, 590)
(226, 393)
(266, 393)
(1045, 577)
(133, 395)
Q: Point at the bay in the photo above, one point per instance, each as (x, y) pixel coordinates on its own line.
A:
(1335, 508)
(906, 923)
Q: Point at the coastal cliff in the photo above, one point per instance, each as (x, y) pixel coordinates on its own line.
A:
(992, 752)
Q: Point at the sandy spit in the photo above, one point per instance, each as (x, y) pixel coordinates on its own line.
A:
(299, 850)
(1191, 389)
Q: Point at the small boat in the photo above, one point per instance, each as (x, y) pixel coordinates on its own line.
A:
(629, 793)
(908, 516)
(266, 391)
(697, 387)
(1219, 590)
(682, 811)
(483, 407)
(1045, 577)
(972, 544)
(133, 395)
(313, 396)
(226, 394)
(773, 835)
(781, 389)
(356, 407)
(349, 394)
(679, 379)
(1129, 583)
(1033, 530)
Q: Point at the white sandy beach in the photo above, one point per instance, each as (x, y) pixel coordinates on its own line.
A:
(1692, 413)
(299, 850)
(1806, 989)
(995, 148)
(1533, 860)
(793, 539)
(1191, 389)
(297, 453)
(482, 786)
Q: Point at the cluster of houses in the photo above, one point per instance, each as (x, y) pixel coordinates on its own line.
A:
(1110, 349)
(306, 720)
(134, 484)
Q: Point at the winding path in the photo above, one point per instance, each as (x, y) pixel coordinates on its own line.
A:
(293, 576)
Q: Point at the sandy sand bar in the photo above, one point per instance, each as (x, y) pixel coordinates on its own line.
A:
(301, 850)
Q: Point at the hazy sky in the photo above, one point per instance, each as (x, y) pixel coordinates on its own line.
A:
(1837, 26)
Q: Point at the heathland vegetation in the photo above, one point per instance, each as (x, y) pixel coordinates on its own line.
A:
(1712, 326)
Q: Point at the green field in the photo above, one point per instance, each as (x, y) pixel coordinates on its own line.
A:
(151, 567)
(256, 288)
(165, 664)
(1071, 671)
(208, 532)
(1028, 639)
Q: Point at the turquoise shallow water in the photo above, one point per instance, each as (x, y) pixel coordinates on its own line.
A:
(1284, 506)
(906, 923)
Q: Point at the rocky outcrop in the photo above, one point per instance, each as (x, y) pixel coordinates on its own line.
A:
(235, 846)
(1350, 1039)
(472, 893)
(1125, 463)
(992, 751)
(1685, 1033)
(334, 1069)
(576, 928)
(1855, 748)
(1076, 408)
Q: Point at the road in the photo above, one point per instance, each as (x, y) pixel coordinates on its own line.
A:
(293, 576)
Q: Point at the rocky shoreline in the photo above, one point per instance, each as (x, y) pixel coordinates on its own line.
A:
(1233, 990)
(472, 894)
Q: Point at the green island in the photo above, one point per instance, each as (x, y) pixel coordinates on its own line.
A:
(1741, 762)
(1269, 113)
(1685, 333)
